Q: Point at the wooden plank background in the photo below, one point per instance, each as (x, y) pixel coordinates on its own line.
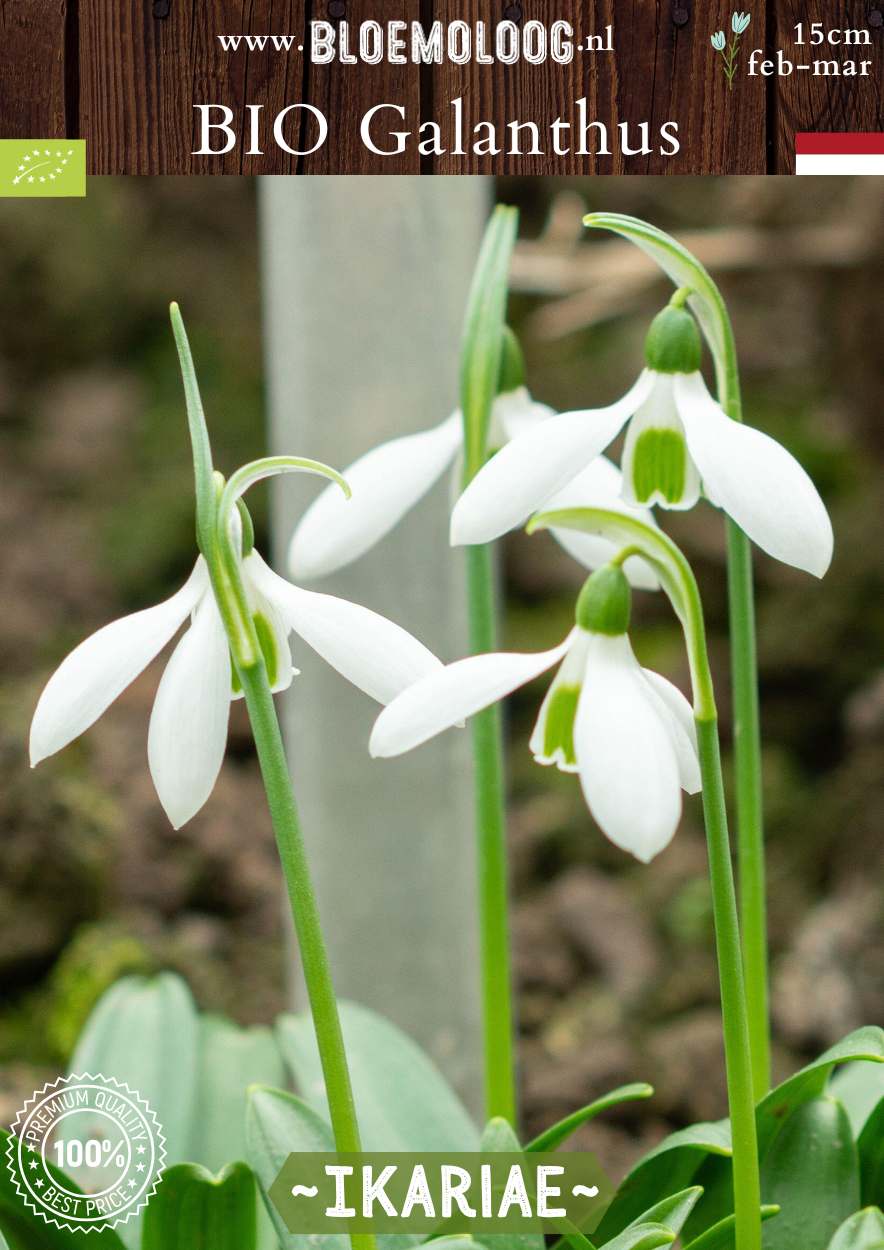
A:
(125, 74)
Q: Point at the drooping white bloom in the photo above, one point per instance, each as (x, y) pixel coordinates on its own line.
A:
(188, 725)
(679, 442)
(628, 732)
(391, 478)
(718, 41)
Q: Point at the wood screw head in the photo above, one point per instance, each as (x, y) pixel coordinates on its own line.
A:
(681, 15)
(337, 8)
(161, 8)
(513, 13)
(876, 18)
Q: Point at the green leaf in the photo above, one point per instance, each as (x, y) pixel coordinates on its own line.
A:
(871, 1158)
(864, 1230)
(26, 1231)
(276, 1125)
(810, 1081)
(811, 1171)
(199, 1211)
(402, 1100)
(230, 1060)
(557, 1133)
(721, 1236)
(498, 1137)
(859, 1087)
(642, 1237)
(672, 1212)
(666, 1170)
(677, 262)
(483, 334)
(143, 1031)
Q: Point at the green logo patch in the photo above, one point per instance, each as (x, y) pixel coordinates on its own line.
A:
(42, 167)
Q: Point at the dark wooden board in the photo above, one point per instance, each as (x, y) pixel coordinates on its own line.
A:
(125, 75)
(33, 72)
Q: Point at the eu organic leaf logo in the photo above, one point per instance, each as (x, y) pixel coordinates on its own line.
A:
(42, 167)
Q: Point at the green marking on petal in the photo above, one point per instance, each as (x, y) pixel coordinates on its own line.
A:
(558, 729)
(267, 641)
(659, 464)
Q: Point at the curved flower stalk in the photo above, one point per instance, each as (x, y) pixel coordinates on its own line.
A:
(678, 441)
(392, 478)
(627, 731)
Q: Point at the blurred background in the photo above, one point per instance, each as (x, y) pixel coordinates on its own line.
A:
(614, 961)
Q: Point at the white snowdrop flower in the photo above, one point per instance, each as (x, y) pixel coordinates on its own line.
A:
(391, 478)
(717, 40)
(740, 22)
(627, 732)
(188, 724)
(679, 444)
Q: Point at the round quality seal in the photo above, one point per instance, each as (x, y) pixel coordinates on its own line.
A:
(86, 1152)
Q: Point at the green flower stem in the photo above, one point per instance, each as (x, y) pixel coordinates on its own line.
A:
(738, 1058)
(314, 958)
(486, 346)
(747, 754)
(497, 1012)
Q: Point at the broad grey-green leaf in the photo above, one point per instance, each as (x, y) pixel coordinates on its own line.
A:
(402, 1100)
(26, 1231)
(864, 1230)
(277, 1124)
(811, 1172)
(666, 1170)
(810, 1081)
(553, 1137)
(722, 1236)
(195, 1210)
(143, 1031)
(859, 1087)
(230, 1060)
(871, 1158)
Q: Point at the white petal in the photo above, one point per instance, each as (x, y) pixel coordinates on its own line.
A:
(627, 763)
(756, 481)
(527, 471)
(188, 725)
(457, 691)
(557, 747)
(678, 715)
(385, 483)
(514, 412)
(378, 656)
(659, 412)
(102, 666)
(599, 485)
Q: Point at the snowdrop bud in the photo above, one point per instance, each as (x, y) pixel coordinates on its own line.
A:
(673, 342)
(605, 602)
(512, 363)
(718, 41)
